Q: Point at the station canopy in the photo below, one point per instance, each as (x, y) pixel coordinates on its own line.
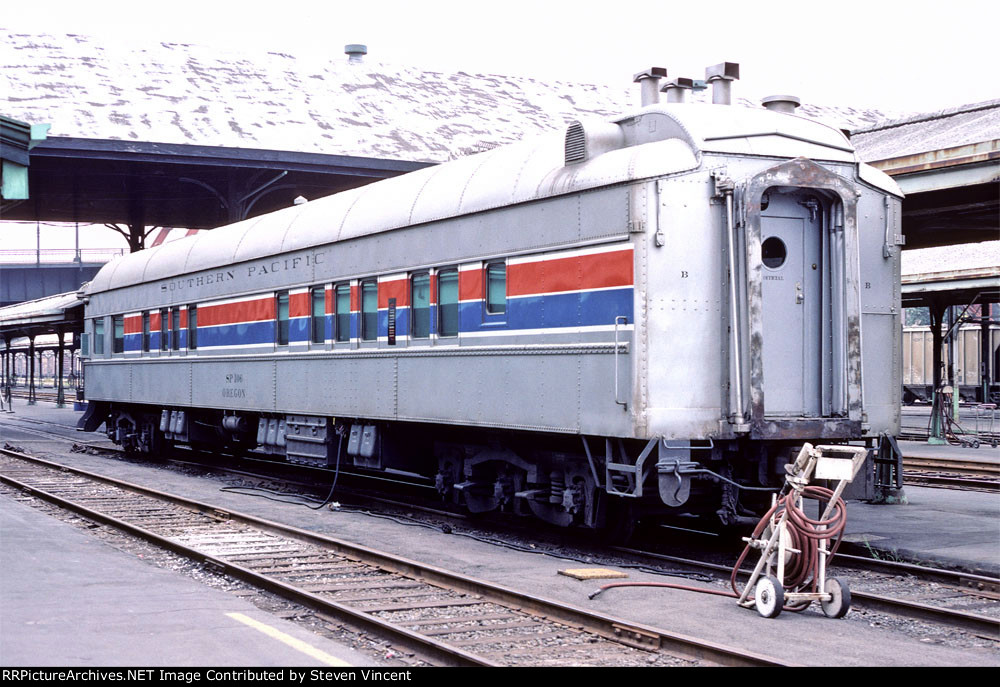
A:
(948, 165)
(951, 275)
(62, 313)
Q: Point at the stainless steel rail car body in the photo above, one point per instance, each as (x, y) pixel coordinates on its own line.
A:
(676, 295)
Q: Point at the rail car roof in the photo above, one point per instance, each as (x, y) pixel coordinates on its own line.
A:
(667, 138)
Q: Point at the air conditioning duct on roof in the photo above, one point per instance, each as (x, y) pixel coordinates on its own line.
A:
(587, 140)
(649, 81)
(677, 89)
(721, 76)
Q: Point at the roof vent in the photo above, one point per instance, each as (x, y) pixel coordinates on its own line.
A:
(649, 81)
(576, 143)
(677, 89)
(781, 103)
(721, 77)
(355, 52)
(585, 141)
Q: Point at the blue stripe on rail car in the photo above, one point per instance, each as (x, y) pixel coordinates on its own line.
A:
(402, 322)
(550, 311)
(299, 329)
(243, 334)
(580, 309)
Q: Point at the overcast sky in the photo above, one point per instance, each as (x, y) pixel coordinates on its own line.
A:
(898, 56)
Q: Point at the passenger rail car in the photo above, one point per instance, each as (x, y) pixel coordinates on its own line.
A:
(645, 314)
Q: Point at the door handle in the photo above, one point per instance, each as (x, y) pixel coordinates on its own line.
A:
(799, 296)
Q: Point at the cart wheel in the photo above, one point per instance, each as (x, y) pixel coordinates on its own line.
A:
(975, 443)
(769, 596)
(840, 603)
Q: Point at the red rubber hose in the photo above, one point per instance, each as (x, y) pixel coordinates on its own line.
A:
(805, 534)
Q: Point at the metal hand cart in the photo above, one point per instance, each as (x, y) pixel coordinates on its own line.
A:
(792, 570)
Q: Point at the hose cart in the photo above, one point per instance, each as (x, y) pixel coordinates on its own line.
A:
(795, 549)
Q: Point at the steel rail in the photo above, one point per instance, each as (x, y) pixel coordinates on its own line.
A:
(966, 483)
(964, 467)
(616, 629)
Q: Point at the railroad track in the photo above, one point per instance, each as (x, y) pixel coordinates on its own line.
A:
(951, 482)
(951, 473)
(984, 439)
(964, 583)
(958, 467)
(444, 618)
(44, 395)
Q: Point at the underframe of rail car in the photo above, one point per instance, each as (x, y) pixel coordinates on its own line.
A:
(568, 481)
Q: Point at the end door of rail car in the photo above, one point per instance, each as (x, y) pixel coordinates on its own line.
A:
(793, 283)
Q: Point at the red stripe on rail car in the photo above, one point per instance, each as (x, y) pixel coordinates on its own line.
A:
(298, 304)
(133, 324)
(470, 285)
(242, 311)
(575, 273)
(397, 288)
(154, 321)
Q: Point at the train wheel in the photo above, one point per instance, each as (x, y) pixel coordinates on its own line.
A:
(769, 596)
(840, 603)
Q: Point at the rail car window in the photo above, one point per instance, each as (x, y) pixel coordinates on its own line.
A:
(282, 330)
(420, 305)
(175, 329)
(369, 310)
(118, 334)
(447, 302)
(496, 288)
(773, 252)
(318, 297)
(192, 327)
(145, 332)
(164, 332)
(99, 336)
(343, 306)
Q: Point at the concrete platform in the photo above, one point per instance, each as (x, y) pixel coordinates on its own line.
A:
(68, 599)
(938, 527)
(961, 526)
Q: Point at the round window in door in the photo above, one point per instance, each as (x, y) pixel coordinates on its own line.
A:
(773, 252)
